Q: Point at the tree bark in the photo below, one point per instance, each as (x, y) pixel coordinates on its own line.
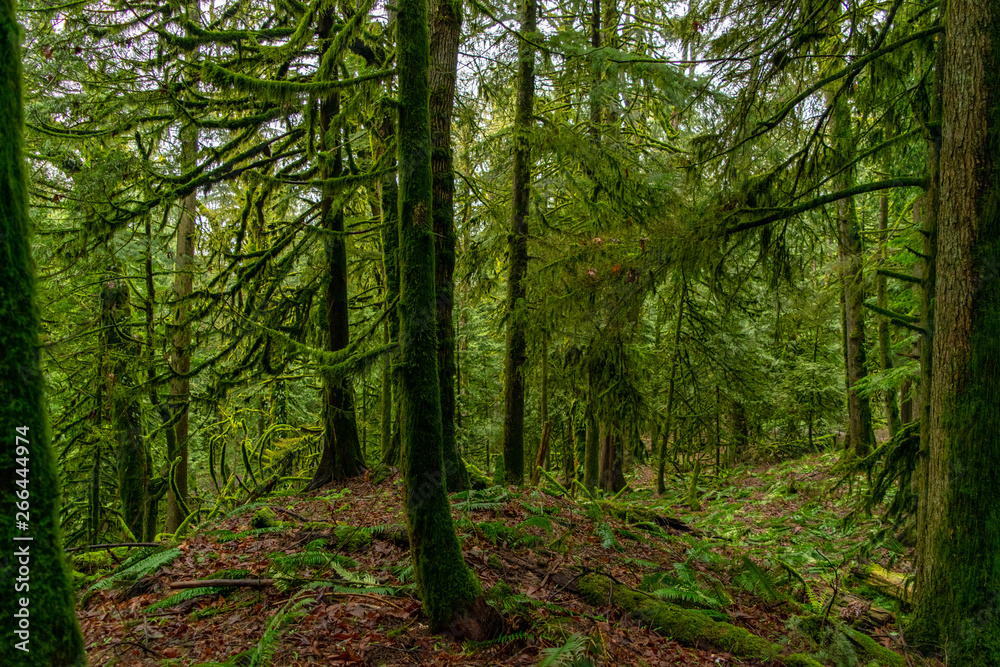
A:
(342, 456)
(882, 300)
(675, 354)
(861, 436)
(28, 470)
(446, 23)
(517, 244)
(119, 353)
(180, 385)
(449, 591)
(958, 563)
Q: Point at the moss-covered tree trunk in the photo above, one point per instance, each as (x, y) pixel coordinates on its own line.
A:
(342, 456)
(861, 436)
(882, 300)
(675, 359)
(591, 451)
(517, 254)
(958, 563)
(446, 23)
(180, 385)
(38, 626)
(389, 191)
(118, 370)
(448, 590)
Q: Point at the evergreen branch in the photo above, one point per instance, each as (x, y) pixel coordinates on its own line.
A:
(900, 276)
(788, 212)
(905, 321)
(284, 91)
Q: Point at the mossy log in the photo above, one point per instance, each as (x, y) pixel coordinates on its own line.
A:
(638, 514)
(688, 627)
(884, 581)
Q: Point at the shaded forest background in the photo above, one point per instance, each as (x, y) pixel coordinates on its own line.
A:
(618, 247)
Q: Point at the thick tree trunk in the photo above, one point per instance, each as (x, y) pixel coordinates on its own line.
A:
(446, 23)
(861, 436)
(958, 564)
(342, 456)
(882, 300)
(449, 591)
(517, 255)
(44, 632)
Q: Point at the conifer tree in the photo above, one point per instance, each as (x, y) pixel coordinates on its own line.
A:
(39, 626)
(958, 563)
(448, 588)
(517, 254)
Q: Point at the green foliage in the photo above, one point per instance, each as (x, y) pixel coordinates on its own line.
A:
(570, 654)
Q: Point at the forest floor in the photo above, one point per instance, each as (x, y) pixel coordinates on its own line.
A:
(327, 580)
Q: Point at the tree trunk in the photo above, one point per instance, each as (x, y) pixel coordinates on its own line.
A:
(517, 244)
(958, 563)
(119, 351)
(591, 452)
(449, 591)
(860, 433)
(675, 354)
(882, 300)
(181, 343)
(342, 456)
(446, 23)
(46, 631)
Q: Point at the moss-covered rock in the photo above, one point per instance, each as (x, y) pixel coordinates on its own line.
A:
(685, 626)
(92, 562)
(264, 518)
(477, 478)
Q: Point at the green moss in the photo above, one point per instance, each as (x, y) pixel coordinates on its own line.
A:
(685, 626)
(92, 562)
(350, 538)
(264, 518)
(494, 563)
(48, 609)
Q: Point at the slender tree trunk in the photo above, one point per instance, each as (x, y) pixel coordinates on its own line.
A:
(118, 371)
(517, 307)
(591, 452)
(958, 563)
(180, 386)
(446, 23)
(882, 300)
(860, 433)
(342, 456)
(37, 627)
(449, 592)
(675, 354)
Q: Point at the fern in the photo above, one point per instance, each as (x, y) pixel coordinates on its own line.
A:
(543, 522)
(292, 610)
(563, 656)
(607, 535)
(753, 577)
(134, 571)
(517, 636)
(184, 595)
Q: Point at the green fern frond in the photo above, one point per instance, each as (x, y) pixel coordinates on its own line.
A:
(186, 594)
(565, 655)
(607, 535)
(147, 565)
(292, 610)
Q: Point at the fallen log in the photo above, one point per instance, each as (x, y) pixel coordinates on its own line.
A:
(685, 626)
(888, 583)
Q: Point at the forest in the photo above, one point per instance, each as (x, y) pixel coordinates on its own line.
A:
(482, 332)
